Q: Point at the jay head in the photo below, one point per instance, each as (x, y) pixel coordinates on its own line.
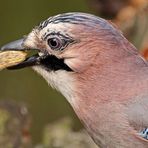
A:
(98, 71)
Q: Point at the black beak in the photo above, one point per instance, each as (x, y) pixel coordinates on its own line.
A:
(15, 45)
(18, 45)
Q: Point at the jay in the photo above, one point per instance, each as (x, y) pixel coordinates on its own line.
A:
(100, 73)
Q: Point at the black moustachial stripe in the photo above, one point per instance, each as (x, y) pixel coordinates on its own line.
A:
(73, 18)
(52, 63)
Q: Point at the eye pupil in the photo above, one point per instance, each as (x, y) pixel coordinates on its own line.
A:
(53, 42)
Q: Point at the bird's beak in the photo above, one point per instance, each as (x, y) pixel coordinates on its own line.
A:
(15, 45)
(18, 45)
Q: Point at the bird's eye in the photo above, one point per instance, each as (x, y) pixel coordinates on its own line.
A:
(55, 43)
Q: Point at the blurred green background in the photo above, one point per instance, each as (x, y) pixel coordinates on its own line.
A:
(17, 18)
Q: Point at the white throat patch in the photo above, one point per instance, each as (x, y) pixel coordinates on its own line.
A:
(61, 80)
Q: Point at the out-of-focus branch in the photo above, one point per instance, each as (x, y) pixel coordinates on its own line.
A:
(60, 135)
(133, 21)
(14, 125)
(131, 16)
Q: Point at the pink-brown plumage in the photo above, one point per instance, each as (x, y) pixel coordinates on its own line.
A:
(111, 88)
(120, 87)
